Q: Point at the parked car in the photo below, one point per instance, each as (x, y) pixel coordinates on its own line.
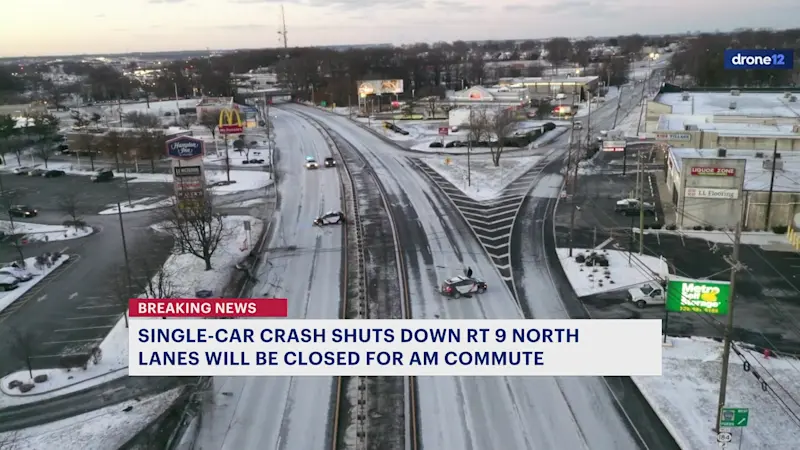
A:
(648, 294)
(453, 144)
(36, 172)
(54, 173)
(21, 170)
(103, 175)
(16, 272)
(22, 211)
(435, 144)
(8, 283)
(329, 162)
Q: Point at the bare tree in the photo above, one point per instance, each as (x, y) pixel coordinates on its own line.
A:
(432, 106)
(115, 145)
(478, 124)
(158, 281)
(143, 120)
(44, 130)
(186, 120)
(88, 143)
(23, 347)
(197, 228)
(210, 120)
(120, 291)
(8, 441)
(408, 107)
(71, 206)
(446, 107)
(500, 125)
(7, 201)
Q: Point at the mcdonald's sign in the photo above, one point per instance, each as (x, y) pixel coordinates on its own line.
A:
(227, 124)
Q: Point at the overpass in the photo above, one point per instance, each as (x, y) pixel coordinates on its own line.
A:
(276, 92)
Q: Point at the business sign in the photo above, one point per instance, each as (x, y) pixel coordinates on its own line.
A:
(614, 146)
(379, 87)
(185, 147)
(188, 171)
(230, 122)
(673, 137)
(723, 194)
(754, 59)
(701, 296)
(444, 131)
(714, 171)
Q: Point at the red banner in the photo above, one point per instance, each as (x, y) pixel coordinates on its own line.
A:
(208, 307)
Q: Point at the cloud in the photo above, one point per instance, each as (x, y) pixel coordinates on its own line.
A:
(455, 6)
(339, 4)
(99, 16)
(166, 2)
(553, 8)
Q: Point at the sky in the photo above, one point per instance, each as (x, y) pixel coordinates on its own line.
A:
(61, 27)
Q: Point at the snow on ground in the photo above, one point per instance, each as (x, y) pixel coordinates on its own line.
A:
(766, 239)
(186, 273)
(38, 232)
(143, 204)
(237, 159)
(107, 428)
(618, 275)
(417, 129)
(245, 180)
(685, 396)
(39, 273)
(486, 181)
(246, 203)
(583, 107)
(549, 136)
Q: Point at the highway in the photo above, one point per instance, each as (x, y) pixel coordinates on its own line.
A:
(476, 412)
(303, 264)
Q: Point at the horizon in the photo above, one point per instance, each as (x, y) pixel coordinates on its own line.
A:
(150, 26)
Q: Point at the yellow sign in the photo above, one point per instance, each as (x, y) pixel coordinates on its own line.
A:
(230, 121)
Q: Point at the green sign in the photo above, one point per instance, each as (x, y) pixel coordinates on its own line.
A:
(734, 417)
(704, 296)
(323, 103)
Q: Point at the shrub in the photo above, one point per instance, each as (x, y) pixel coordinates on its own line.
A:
(780, 229)
(13, 384)
(709, 228)
(73, 361)
(672, 227)
(26, 387)
(40, 378)
(657, 226)
(697, 227)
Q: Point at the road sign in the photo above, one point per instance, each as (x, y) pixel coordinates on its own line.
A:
(443, 131)
(724, 437)
(231, 129)
(246, 225)
(734, 417)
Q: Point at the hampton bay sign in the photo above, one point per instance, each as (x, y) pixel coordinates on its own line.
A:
(189, 182)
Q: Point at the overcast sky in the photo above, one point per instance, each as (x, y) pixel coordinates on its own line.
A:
(52, 27)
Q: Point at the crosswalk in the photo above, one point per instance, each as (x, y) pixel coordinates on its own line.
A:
(492, 221)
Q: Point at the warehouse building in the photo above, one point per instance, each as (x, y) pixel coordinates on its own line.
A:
(720, 187)
(553, 85)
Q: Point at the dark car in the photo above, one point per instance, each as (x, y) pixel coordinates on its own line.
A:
(452, 144)
(22, 211)
(54, 173)
(103, 175)
(435, 144)
(330, 218)
(329, 162)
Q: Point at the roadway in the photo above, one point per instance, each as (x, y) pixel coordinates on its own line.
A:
(303, 264)
(476, 412)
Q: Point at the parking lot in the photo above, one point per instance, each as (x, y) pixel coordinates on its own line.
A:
(767, 298)
(44, 193)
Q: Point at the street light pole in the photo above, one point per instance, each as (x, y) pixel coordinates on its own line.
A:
(125, 253)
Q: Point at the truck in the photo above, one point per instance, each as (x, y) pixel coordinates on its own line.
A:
(648, 294)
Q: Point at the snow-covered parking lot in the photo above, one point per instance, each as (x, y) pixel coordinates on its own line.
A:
(481, 180)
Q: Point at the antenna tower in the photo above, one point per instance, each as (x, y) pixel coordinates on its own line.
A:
(283, 33)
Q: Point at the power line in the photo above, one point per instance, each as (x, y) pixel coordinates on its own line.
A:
(282, 32)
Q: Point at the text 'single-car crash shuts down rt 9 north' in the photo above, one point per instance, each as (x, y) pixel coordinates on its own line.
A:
(330, 218)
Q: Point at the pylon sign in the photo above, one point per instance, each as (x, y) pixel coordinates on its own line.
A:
(188, 172)
(230, 122)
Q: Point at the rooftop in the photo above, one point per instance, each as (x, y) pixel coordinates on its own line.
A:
(760, 104)
(707, 122)
(756, 177)
(524, 81)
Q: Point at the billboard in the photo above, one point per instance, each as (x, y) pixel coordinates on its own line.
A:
(185, 147)
(703, 296)
(230, 121)
(614, 146)
(724, 194)
(379, 87)
(714, 171)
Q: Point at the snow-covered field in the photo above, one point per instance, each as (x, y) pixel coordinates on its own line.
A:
(37, 232)
(618, 275)
(685, 396)
(485, 181)
(103, 429)
(39, 273)
(186, 273)
(143, 204)
(243, 180)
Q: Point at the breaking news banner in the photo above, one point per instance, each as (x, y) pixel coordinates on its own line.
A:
(759, 59)
(185, 346)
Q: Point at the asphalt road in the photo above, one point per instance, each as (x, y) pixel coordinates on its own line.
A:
(767, 300)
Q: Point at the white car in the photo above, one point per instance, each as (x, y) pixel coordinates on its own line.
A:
(311, 163)
(7, 282)
(647, 294)
(16, 272)
(21, 170)
(629, 206)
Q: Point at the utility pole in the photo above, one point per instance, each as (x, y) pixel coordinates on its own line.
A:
(125, 253)
(641, 203)
(771, 185)
(589, 120)
(642, 113)
(726, 353)
(619, 105)
(283, 33)
(573, 159)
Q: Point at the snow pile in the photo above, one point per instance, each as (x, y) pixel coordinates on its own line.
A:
(766, 239)
(143, 204)
(36, 232)
(685, 396)
(103, 429)
(588, 280)
(39, 273)
(486, 181)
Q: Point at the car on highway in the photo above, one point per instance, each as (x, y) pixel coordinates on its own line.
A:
(16, 272)
(21, 170)
(103, 175)
(8, 283)
(463, 285)
(648, 294)
(22, 211)
(329, 162)
(577, 125)
(632, 206)
(311, 163)
(36, 172)
(54, 173)
(330, 218)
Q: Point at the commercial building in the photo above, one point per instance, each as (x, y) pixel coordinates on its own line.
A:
(478, 95)
(720, 187)
(213, 104)
(552, 85)
(732, 119)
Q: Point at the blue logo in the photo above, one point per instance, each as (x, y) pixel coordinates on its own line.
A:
(185, 147)
(759, 59)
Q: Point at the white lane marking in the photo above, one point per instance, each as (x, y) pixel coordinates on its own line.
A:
(42, 298)
(73, 295)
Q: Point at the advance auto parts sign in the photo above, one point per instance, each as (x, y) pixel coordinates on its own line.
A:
(703, 296)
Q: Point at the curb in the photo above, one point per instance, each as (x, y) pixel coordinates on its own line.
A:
(20, 395)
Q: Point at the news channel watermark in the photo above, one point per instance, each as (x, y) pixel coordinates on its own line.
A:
(782, 59)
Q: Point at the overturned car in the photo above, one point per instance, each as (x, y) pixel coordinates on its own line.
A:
(330, 218)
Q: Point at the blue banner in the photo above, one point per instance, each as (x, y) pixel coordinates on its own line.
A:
(759, 59)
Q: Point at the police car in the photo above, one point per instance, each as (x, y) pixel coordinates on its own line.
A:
(463, 285)
(311, 163)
